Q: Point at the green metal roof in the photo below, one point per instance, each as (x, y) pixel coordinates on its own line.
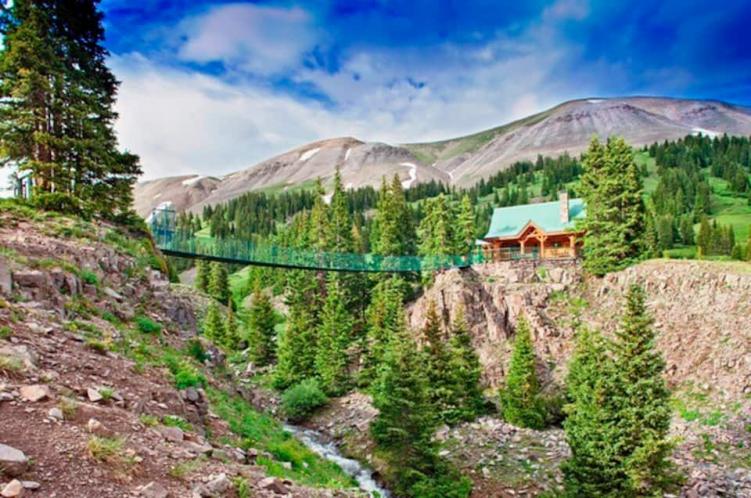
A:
(509, 221)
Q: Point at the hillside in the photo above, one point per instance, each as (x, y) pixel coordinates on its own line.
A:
(100, 394)
(461, 161)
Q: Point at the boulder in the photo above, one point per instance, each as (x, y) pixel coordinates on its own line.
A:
(13, 462)
(174, 434)
(36, 392)
(55, 413)
(219, 485)
(153, 490)
(274, 485)
(93, 394)
(21, 353)
(30, 278)
(13, 489)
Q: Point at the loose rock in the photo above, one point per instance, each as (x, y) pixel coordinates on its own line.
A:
(12, 489)
(35, 393)
(12, 461)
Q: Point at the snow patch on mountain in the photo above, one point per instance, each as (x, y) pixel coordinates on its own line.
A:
(309, 153)
(412, 174)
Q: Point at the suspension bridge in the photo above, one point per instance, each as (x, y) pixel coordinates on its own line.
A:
(174, 242)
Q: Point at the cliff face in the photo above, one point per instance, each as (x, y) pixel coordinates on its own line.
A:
(702, 311)
(493, 296)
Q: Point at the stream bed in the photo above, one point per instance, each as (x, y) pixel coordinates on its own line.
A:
(329, 451)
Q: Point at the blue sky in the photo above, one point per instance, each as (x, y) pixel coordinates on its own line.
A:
(212, 87)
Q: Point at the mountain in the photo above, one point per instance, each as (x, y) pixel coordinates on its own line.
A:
(461, 161)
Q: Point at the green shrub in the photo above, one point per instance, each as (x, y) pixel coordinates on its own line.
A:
(148, 420)
(89, 277)
(176, 421)
(195, 349)
(61, 203)
(185, 374)
(302, 399)
(5, 332)
(147, 325)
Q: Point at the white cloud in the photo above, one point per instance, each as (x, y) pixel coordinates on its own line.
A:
(264, 40)
(181, 121)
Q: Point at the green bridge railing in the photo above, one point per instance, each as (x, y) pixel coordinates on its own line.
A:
(173, 242)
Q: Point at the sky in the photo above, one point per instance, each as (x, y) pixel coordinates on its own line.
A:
(214, 87)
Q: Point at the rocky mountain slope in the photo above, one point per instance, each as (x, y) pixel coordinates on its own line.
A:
(702, 312)
(461, 161)
(98, 394)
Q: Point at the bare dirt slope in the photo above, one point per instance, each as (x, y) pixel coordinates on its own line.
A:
(464, 160)
(91, 364)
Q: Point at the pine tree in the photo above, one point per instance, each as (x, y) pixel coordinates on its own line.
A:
(466, 221)
(404, 425)
(643, 398)
(298, 343)
(261, 332)
(437, 358)
(615, 222)
(231, 335)
(383, 318)
(213, 325)
(467, 401)
(520, 398)
(340, 222)
(704, 239)
(594, 468)
(218, 286)
(59, 122)
(203, 271)
(331, 359)
(319, 219)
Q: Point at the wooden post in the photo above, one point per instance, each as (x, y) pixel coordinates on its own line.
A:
(572, 245)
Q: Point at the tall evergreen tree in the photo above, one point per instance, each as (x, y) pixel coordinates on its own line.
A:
(57, 104)
(615, 224)
(704, 239)
(297, 345)
(213, 326)
(466, 221)
(320, 227)
(231, 335)
(404, 424)
(261, 332)
(594, 468)
(520, 398)
(340, 221)
(437, 358)
(218, 286)
(203, 271)
(331, 359)
(383, 318)
(643, 398)
(467, 401)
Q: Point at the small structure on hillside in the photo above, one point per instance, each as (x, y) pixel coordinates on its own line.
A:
(545, 230)
(23, 184)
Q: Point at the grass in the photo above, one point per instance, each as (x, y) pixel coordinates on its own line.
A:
(148, 420)
(89, 277)
(264, 433)
(105, 449)
(10, 364)
(147, 325)
(183, 469)
(69, 407)
(5, 332)
(107, 393)
(177, 421)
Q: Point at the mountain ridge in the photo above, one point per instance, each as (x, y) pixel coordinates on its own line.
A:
(461, 161)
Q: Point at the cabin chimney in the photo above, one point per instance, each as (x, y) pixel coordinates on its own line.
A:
(563, 203)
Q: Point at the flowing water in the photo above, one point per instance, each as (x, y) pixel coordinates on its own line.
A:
(329, 451)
